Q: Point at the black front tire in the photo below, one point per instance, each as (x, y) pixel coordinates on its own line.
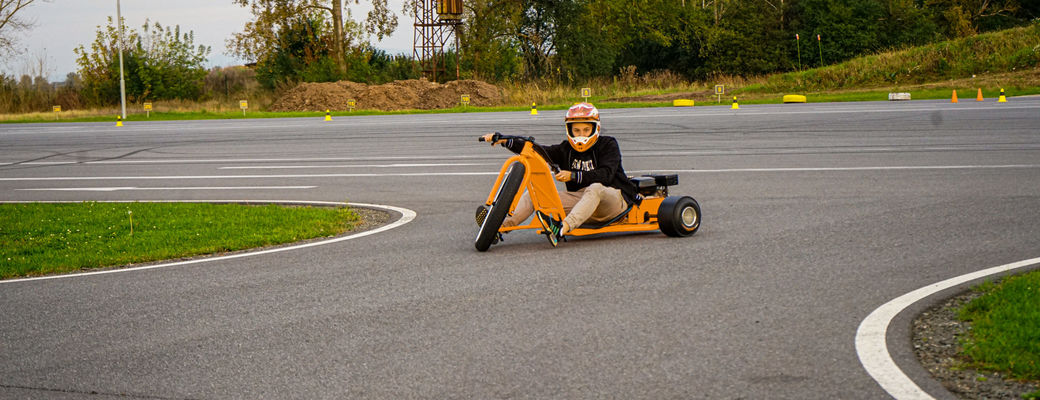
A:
(679, 216)
(507, 191)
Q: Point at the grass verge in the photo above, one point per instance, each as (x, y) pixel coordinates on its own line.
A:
(1005, 327)
(965, 90)
(88, 116)
(49, 238)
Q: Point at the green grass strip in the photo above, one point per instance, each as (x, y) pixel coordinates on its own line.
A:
(49, 238)
(1005, 334)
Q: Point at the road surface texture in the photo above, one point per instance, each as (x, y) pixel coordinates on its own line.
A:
(814, 215)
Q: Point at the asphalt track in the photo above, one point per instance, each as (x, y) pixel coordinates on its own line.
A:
(814, 216)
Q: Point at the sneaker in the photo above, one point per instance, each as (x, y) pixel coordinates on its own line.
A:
(552, 227)
(482, 212)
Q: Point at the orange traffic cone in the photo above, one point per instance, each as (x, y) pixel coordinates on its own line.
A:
(954, 100)
(979, 97)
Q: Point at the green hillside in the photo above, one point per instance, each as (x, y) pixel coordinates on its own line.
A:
(996, 53)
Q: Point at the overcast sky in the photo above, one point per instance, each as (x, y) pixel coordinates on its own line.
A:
(62, 25)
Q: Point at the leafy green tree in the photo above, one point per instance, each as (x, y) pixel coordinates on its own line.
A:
(161, 63)
(491, 50)
(639, 32)
(747, 39)
(907, 23)
(171, 66)
(536, 33)
(298, 54)
(579, 39)
(99, 66)
(850, 26)
(968, 17)
(387, 68)
(261, 37)
(303, 54)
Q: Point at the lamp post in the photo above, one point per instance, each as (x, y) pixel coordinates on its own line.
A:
(122, 82)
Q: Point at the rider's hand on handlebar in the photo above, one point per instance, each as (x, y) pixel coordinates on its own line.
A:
(488, 137)
(565, 176)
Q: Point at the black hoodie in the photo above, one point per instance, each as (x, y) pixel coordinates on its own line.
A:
(599, 164)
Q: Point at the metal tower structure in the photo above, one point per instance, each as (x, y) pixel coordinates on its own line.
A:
(436, 24)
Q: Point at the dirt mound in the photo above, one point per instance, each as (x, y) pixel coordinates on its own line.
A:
(398, 95)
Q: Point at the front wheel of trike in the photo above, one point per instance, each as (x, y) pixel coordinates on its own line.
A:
(679, 216)
(507, 191)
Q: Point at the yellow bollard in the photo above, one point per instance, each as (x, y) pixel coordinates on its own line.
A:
(534, 109)
(1002, 98)
(794, 98)
(327, 116)
(119, 120)
(735, 105)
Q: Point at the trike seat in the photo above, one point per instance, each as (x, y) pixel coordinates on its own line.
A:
(650, 184)
(644, 183)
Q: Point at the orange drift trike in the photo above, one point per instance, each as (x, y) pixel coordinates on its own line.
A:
(532, 170)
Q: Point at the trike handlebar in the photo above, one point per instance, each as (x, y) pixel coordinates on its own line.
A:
(495, 137)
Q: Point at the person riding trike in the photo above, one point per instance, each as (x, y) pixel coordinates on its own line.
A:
(600, 197)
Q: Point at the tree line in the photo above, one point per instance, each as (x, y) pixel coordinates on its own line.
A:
(289, 41)
(580, 39)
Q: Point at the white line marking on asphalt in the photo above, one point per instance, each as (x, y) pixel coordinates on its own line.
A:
(353, 166)
(204, 177)
(515, 116)
(778, 111)
(421, 174)
(241, 160)
(116, 189)
(406, 217)
(871, 337)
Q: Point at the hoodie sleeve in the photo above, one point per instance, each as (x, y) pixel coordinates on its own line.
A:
(557, 152)
(515, 144)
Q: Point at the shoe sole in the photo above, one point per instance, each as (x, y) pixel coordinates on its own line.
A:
(545, 227)
(482, 212)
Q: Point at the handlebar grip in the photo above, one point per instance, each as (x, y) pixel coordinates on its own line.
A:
(494, 138)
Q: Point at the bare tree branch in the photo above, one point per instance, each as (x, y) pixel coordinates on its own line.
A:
(11, 23)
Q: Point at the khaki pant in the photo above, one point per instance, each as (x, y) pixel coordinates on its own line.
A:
(594, 203)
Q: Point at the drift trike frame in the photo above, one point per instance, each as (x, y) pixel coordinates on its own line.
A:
(533, 170)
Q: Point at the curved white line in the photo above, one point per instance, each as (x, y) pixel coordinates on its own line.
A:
(406, 217)
(871, 344)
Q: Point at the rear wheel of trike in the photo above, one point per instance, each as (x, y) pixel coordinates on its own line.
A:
(679, 216)
(506, 192)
